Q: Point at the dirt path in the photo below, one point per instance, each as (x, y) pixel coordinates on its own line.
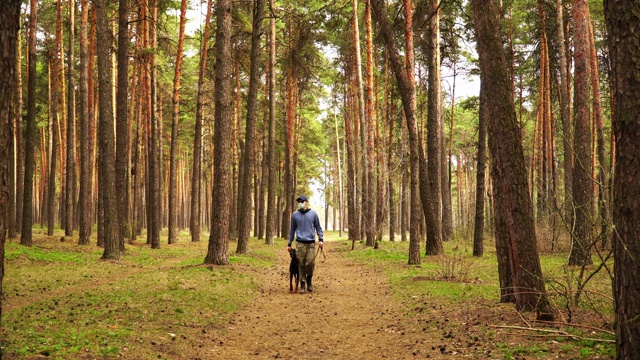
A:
(350, 315)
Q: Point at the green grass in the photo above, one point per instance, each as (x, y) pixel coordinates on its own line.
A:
(64, 302)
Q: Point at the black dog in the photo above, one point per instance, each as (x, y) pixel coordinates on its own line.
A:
(294, 271)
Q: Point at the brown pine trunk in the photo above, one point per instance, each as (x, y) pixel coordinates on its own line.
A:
(9, 25)
(565, 114)
(19, 137)
(53, 121)
(175, 125)
(351, 172)
(84, 198)
(360, 130)
(289, 187)
(196, 208)
(478, 229)
(236, 147)
(61, 124)
(244, 199)
(370, 195)
(122, 123)
(434, 135)
(622, 23)
(271, 141)
(154, 220)
(393, 204)
(406, 86)
(512, 203)
(219, 239)
(582, 182)
(14, 156)
(71, 126)
(107, 138)
(603, 198)
(93, 100)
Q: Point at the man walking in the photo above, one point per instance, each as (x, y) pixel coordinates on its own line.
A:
(305, 223)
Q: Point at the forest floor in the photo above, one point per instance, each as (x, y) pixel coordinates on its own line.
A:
(169, 307)
(354, 314)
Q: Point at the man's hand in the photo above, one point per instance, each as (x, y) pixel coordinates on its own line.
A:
(289, 248)
(320, 244)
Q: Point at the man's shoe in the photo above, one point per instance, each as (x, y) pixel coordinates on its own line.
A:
(309, 287)
(302, 290)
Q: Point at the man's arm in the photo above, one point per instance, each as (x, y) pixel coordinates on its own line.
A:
(292, 231)
(319, 230)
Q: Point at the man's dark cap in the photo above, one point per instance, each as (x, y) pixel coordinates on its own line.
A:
(302, 198)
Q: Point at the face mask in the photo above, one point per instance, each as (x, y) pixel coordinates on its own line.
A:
(300, 206)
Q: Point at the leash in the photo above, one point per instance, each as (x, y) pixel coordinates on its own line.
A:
(318, 252)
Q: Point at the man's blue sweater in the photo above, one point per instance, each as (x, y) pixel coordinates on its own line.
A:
(304, 225)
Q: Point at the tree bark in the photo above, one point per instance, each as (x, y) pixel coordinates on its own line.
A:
(19, 137)
(107, 138)
(9, 25)
(604, 216)
(513, 204)
(244, 199)
(370, 196)
(154, 221)
(478, 230)
(122, 123)
(623, 26)
(196, 177)
(434, 135)
(406, 86)
(84, 199)
(15, 156)
(271, 146)
(219, 238)
(565, 113)
(71, 126)
(582, 183)
(175, 126)
(55, 59)
(194, 224)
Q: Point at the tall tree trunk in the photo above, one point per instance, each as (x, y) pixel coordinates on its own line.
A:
(623, 22)
(196, 176)
(513, 203)
(154, 221)
(107, 138)
(271, 146)
(19, 136)
(244, 199)
(84, 199)
(219, 239)
(175, 125)
(339, 171)
(406, 86)
(55, 59)
(361, 119)
(370, 195)
(289, 185)
(603, 198)
(565, 113)
(9, 25)
(582, 183)
(434, 135)
(14, 156)
(478, 230)
(71, 125)
(122, 123)
(393, 208)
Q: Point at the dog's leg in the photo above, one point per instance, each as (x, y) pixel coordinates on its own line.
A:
(291, 283)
